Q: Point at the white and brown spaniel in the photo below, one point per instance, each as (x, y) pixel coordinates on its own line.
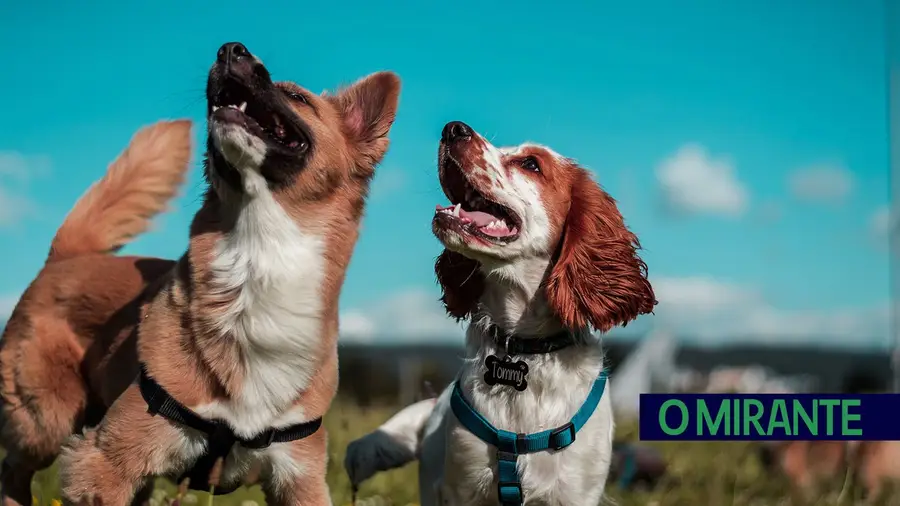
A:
(536, 254)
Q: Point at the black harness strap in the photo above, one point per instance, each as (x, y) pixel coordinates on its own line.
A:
(220, 437)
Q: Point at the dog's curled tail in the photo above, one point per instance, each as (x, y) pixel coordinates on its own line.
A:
(395, 443)
(136, 187)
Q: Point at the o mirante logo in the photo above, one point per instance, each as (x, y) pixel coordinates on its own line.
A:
(741, 417)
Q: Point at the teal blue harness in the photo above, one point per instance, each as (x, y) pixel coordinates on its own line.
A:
(510, 445)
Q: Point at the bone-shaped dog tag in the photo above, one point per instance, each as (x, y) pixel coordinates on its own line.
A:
(506, 372)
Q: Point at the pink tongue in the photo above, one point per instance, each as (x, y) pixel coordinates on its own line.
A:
(479, 218)
(496, 232)
(482, 220)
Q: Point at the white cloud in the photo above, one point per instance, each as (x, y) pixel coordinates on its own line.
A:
(357, 326)
(16, 165)
(715, 311)
(13, 208)
(387, 181)
(693, 182)
(701, 294)
(883, 228)
(821, 183)
(882, 222)
(699, 309)
(409, 315)
(16, 170)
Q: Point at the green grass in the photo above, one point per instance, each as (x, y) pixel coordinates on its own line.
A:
(701, 474)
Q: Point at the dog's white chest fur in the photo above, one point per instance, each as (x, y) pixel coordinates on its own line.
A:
(276, 269)
(558, 386)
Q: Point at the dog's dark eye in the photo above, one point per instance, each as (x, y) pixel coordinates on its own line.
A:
(531, 164)
(297, 97)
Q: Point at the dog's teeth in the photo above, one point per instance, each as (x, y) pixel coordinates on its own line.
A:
(215, 108)
(456, 210)
(243, 106)
(496, 225)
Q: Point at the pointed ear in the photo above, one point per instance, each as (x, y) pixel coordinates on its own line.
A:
(462, 283)
(598, 278)
(367, 109)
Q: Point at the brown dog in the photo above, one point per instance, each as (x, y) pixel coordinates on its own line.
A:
(242, 330)
(57, 348)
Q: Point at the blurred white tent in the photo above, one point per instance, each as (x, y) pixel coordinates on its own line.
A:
(755, 379)
(649, 368)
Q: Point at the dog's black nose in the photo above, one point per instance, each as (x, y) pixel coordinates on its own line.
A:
(231, 52)
(456, 130)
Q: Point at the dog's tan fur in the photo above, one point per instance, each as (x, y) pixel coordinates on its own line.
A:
(85, 357)
(71, 324)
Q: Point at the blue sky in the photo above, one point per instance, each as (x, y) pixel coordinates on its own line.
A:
(745, 140)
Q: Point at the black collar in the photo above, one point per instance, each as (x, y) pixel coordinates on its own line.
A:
(515, 345)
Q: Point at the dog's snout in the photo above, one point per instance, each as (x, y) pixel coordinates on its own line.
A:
(456, 130)
(235, 61)
(232, 52)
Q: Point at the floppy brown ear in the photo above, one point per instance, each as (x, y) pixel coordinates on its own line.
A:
(368, 108)
(462, 283)
(598, 278)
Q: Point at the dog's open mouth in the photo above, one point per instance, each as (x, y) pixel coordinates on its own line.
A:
(235, 103)
(472, 212)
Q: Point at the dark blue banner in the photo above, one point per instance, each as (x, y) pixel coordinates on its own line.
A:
(776, 417)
